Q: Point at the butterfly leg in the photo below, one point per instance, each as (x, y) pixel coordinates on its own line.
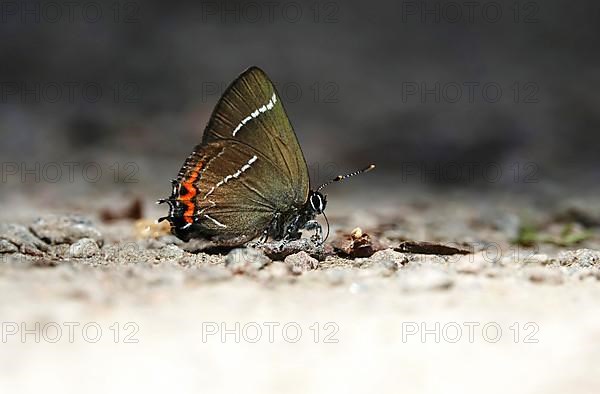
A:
(291, 230)
(265, 236)
(261, 240)
(317, 237)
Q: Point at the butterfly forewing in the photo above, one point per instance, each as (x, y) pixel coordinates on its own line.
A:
(251, 112)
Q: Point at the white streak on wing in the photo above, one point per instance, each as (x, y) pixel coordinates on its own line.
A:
(235, 175)
(215, 221)
(212, 189)
(212, 205)
(267, 107)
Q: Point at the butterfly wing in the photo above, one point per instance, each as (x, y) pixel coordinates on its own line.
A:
(251, 112)
(232, 202)
(248, 168)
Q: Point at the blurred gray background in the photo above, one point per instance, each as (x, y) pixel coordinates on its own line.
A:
(447, 94)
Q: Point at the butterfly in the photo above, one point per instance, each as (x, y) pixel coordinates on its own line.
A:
(248, 177)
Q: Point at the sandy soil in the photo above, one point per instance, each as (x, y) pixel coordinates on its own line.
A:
(89, 306)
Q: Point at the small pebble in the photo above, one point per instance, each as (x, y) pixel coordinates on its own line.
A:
(301, 262)
(22, 238)
(279, 250)
(356, 244)
(581, 257)
(7, 247)
(56, 229)
(390, 257)
(85, 247)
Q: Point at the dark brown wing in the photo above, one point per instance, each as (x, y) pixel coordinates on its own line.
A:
(237, 194)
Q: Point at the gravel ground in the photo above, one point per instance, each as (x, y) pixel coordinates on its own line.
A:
(510, 306)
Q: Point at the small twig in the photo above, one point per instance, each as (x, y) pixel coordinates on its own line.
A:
(418, 247)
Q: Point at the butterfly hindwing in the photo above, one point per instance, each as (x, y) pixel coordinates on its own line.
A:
(233, 201)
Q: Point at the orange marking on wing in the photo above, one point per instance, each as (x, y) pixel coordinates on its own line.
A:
(191, 192)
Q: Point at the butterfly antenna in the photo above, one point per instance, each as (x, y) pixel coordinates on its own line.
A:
(342, 177)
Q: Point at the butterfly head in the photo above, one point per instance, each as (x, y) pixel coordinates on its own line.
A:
(317, 202)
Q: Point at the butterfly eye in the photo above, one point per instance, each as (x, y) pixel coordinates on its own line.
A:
(323, 201)
(318, 202)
